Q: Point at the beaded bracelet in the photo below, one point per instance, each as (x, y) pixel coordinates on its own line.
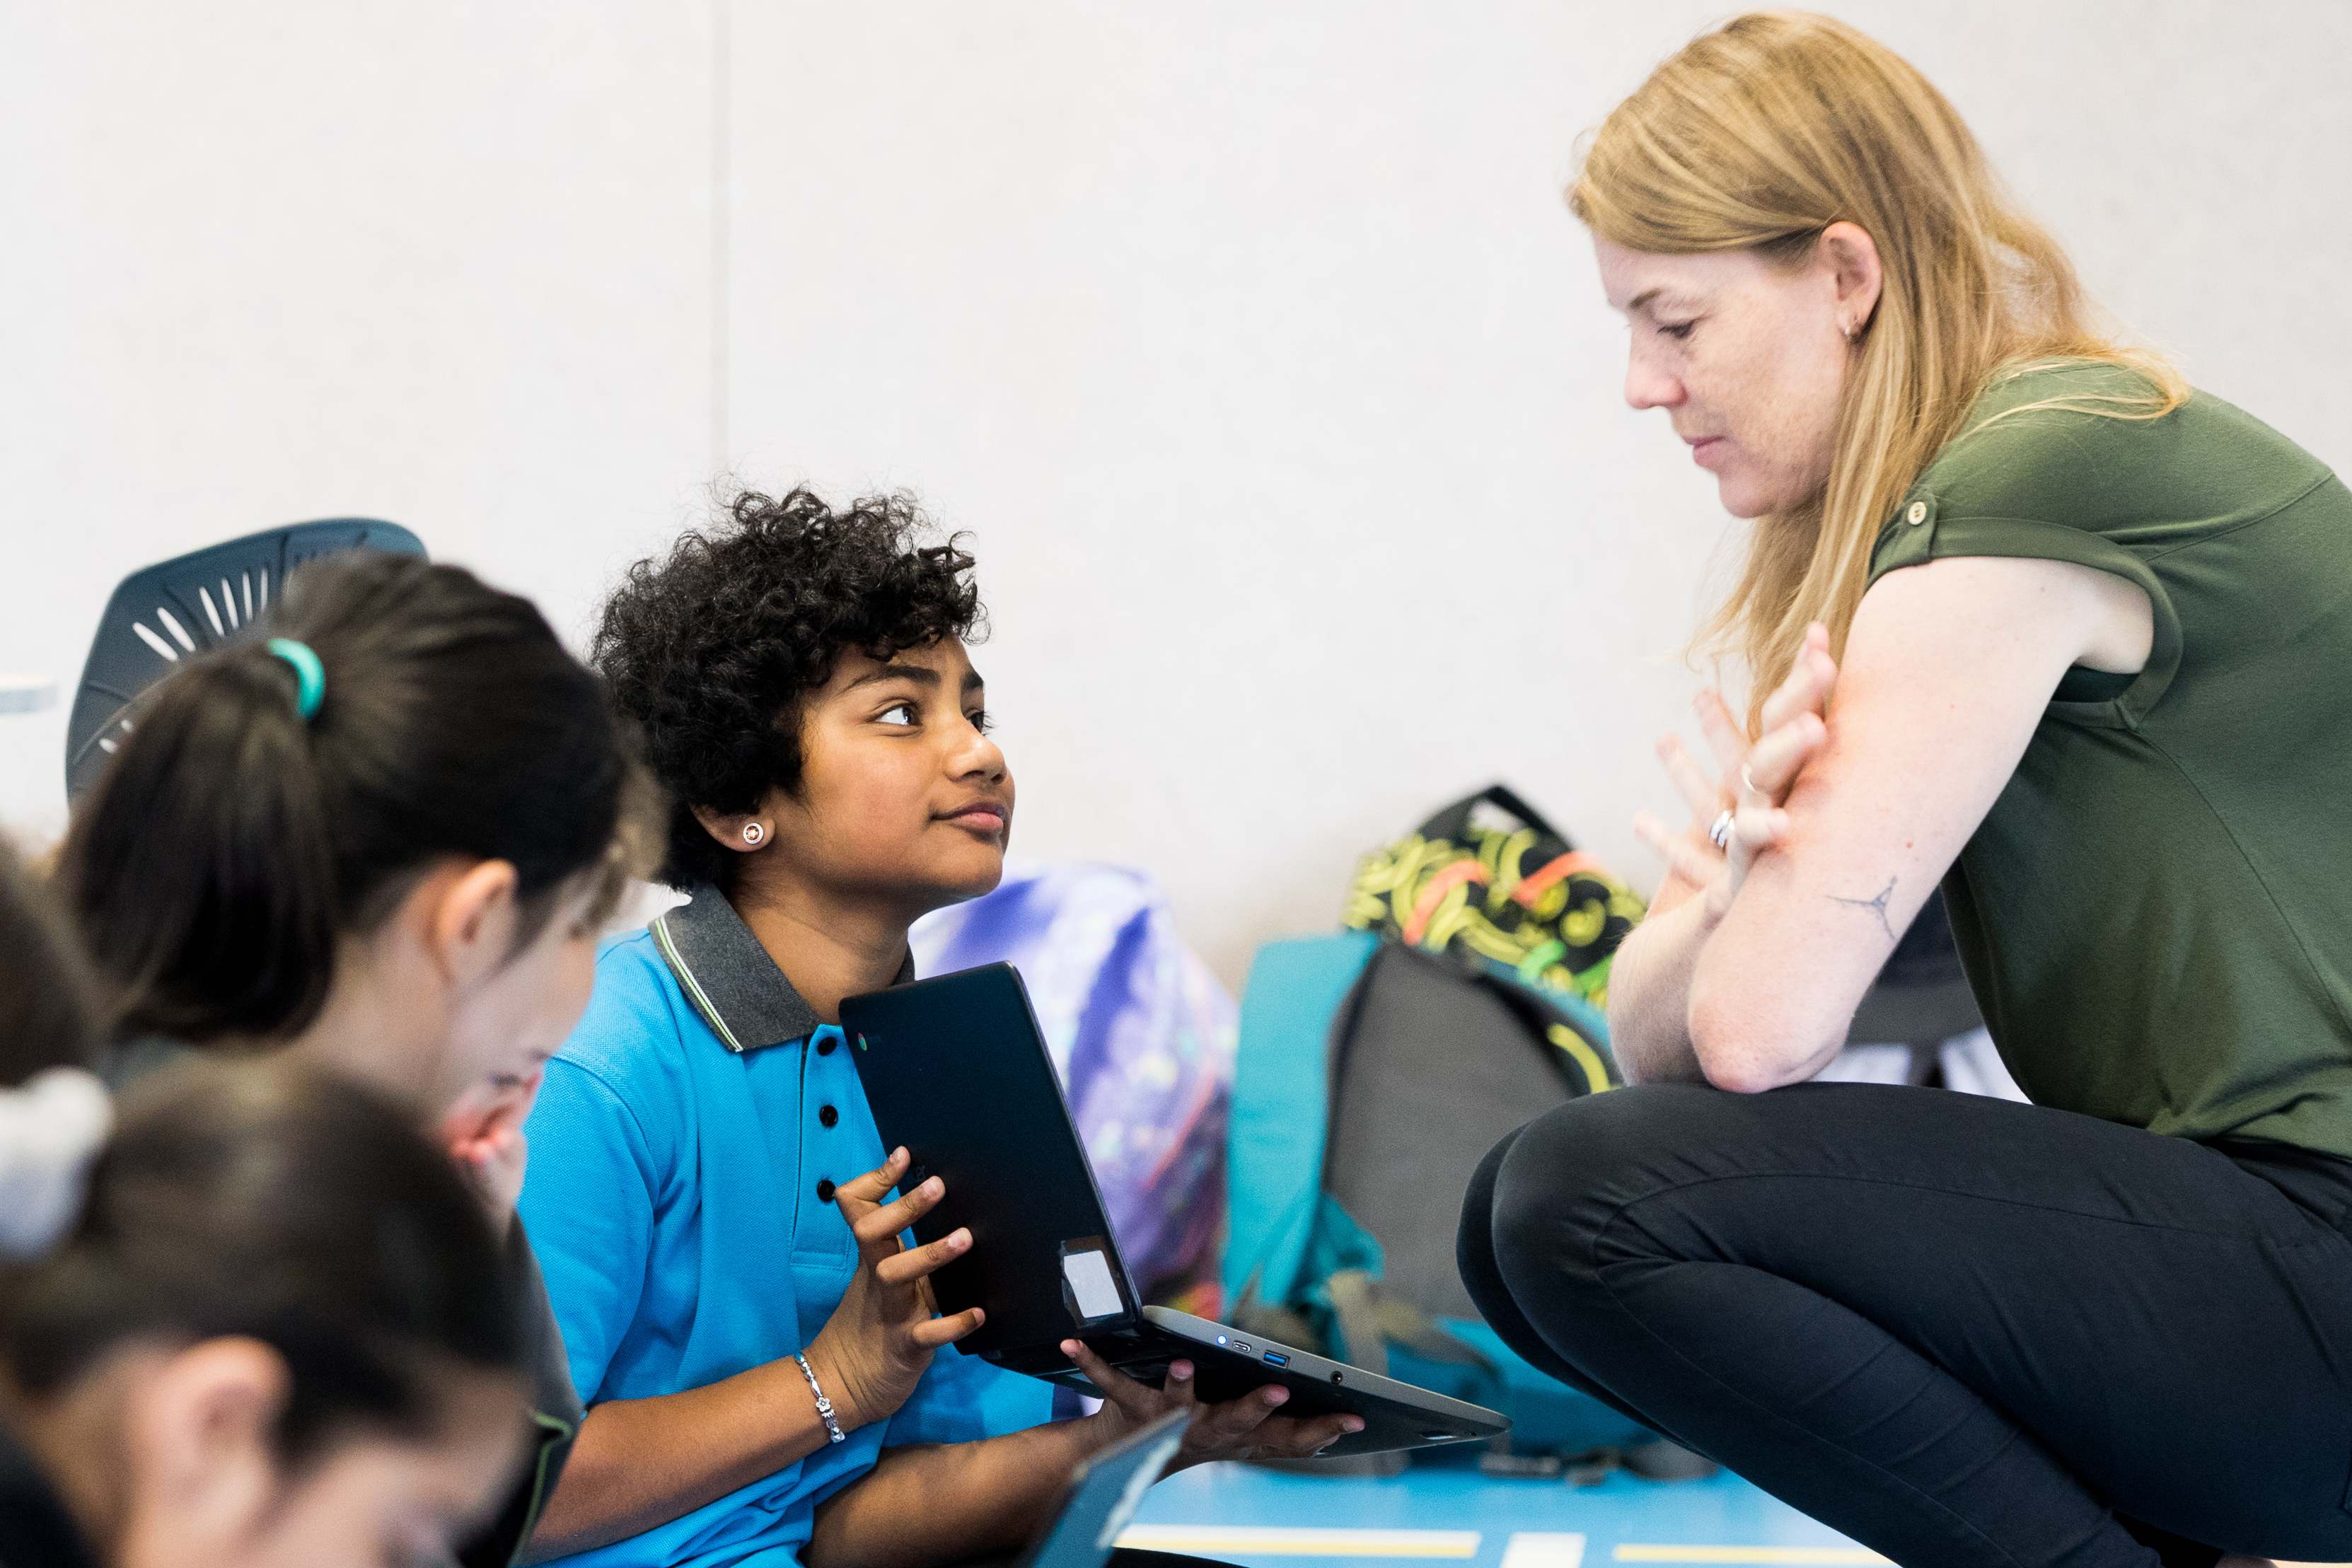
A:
(832, 1432)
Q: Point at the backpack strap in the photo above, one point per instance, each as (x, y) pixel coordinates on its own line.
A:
(1281, 1113)
(1453, 822)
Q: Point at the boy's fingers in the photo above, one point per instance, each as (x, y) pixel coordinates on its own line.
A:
(933, 1332)
(906, 1268)
(876, 1225)
(876, 1182)
(1305, 1439)
(909, 1207)
(1238, 1418)
(866, 1191)
(1180, 1391)
(1116, 1386)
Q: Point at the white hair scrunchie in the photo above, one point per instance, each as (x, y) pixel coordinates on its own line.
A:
(50, 1130)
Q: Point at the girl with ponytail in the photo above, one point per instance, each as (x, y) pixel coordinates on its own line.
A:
(382, 842)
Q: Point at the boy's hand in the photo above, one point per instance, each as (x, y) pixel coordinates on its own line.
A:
(483, 1132)
(1242, 1428)
(878, 1341)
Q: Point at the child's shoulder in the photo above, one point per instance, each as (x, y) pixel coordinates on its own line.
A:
(638, 1025)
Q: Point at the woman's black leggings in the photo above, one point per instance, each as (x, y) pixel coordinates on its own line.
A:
(1958, 1330)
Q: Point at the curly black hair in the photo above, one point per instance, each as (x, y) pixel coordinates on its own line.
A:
(714, 650)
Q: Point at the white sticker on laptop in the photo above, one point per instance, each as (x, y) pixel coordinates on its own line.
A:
(1091, 1285)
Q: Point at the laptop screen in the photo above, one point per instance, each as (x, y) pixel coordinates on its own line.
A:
(956, 1069)
(1104, 1496)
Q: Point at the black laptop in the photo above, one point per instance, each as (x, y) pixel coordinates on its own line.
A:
(1102, 1497)
(956, 1069)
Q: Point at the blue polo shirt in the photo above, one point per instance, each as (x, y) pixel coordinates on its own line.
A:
(683, 1157)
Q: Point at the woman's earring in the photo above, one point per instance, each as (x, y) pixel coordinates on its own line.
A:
(1846, 328)
(753, 832)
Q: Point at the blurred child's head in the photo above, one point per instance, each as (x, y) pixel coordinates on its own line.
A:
(52, 1111)
(280, 1333)
(801, 679)
(51, 1019)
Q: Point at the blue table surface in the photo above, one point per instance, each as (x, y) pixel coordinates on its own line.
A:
(1720, 1513)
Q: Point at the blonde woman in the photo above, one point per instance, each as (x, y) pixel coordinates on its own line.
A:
(2029, 617)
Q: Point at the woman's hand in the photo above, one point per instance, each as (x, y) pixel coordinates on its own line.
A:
(483, 1132)
(875, 1347)
(1752, 784)
(1240, 1429)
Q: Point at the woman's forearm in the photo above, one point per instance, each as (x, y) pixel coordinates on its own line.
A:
(945, 1503)
(639, 1463)
(1649, 995)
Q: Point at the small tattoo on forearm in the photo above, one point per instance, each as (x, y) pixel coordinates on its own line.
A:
(1876, 905)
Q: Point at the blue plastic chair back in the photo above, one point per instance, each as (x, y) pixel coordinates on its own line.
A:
(172, 613)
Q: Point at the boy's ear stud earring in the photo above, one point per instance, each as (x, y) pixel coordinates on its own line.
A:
(753, 832)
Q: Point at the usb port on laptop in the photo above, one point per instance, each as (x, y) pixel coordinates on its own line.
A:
(1277, 1359)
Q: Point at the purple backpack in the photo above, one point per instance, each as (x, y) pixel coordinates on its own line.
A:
(1142, 1036)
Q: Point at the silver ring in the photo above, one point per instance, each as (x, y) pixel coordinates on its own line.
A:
(1718, 833)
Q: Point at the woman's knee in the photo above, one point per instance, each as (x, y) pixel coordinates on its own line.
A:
(1562, 1177)
(1473, 1242)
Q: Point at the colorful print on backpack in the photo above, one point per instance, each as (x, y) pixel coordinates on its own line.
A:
(1524, 898)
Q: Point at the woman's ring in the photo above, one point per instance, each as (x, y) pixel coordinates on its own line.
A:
(1718, 833)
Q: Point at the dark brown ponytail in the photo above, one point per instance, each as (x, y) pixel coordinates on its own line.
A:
(231, 842)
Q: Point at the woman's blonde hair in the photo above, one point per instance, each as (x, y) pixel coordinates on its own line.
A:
(1760, 135)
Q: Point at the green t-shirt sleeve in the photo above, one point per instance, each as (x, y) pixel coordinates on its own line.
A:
(2043, 484)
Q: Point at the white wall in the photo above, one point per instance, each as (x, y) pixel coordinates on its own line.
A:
(1251, 342)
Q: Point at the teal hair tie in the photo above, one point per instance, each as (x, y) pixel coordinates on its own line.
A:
(310, 676)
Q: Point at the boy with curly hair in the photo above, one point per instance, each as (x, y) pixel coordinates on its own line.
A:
(708, 1194)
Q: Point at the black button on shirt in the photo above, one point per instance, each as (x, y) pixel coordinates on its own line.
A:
(825, 1047)
(824, 1192)
(827, 1116)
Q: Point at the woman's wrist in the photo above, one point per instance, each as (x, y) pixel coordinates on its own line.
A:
(1673, 892)
(1649, 997)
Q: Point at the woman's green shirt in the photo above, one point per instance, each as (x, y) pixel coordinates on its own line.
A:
(2156, 912)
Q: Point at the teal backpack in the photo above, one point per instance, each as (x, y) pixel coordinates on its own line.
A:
(1371, 1077)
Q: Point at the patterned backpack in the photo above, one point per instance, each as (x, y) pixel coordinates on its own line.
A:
(1522, 897)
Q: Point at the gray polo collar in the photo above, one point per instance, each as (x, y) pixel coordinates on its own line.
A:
(729, 978)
